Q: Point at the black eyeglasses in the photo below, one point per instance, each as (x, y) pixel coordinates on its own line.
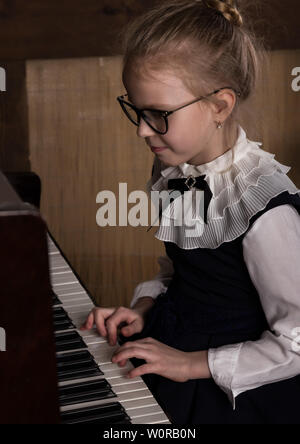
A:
(157, 119)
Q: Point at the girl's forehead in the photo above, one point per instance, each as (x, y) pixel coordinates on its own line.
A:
(153, 77)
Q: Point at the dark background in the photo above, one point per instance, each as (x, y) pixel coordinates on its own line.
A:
(76, 28)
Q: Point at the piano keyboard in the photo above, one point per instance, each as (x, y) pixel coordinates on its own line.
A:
(92, 389)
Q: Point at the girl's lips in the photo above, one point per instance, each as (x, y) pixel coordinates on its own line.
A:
(156, 149)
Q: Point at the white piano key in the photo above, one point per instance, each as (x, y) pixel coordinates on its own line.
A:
(84, 310)
(72, 291)
(57, 261)
(79, 320)
(73, 305)
(123, 389)
(61, 289)
(142, 411)
(55, 268)
(69, 301)
(150, 418)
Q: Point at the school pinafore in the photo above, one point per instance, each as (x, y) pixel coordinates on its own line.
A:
(203, 309)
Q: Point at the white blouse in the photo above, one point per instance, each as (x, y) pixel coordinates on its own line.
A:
(271, 251)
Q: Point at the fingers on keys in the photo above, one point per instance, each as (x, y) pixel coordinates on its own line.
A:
(95, 317)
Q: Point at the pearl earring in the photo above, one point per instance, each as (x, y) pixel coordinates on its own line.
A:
(219, 125)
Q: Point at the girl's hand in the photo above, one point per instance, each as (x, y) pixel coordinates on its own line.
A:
(107, 321)
(160, 359)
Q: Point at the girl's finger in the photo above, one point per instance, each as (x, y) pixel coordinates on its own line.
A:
(141, 370)
(113, 322)
(89, 322)
(100, 323)
(131, 352)
(134, 327)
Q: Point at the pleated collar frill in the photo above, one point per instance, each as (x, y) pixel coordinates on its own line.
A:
(254, 178)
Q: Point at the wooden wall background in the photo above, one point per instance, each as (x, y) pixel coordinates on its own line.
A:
(80, 143)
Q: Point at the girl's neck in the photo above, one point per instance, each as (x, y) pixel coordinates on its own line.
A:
(216, 149)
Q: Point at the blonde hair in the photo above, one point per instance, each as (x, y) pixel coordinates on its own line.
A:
(206, 42)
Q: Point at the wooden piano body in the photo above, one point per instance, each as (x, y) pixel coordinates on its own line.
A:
(28, 383)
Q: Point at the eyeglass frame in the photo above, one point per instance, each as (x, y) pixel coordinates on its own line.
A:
(165, 114)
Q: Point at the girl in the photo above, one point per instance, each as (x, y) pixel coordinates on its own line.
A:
(214, 334)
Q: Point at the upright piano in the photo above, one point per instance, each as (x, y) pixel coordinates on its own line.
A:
(50, 371)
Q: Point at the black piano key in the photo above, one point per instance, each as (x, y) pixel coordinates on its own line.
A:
(59, 312)
(55, 299)
(69, 340)
(77, 356)
(68, 360)
(85, 392)
(64, 324)
(76, 365)
(62, 320)
(79, 374)
(112, 413)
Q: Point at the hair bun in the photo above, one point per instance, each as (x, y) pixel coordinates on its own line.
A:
(227, 8)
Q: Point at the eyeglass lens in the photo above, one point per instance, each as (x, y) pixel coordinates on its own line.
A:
(154, 119)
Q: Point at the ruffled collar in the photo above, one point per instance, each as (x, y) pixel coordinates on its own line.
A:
(252, 179)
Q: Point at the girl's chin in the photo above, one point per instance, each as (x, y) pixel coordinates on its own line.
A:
(167, 162)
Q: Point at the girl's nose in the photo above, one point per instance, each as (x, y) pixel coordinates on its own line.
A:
(144, 130)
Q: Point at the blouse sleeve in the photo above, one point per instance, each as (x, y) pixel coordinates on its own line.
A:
(271, 250)
(158, 284)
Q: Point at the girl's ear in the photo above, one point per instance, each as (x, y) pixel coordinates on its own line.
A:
(223, 104)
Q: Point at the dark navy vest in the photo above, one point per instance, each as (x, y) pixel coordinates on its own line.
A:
(211, 288)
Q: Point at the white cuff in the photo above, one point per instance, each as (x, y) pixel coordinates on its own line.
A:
(222, 362)
(148, 288)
